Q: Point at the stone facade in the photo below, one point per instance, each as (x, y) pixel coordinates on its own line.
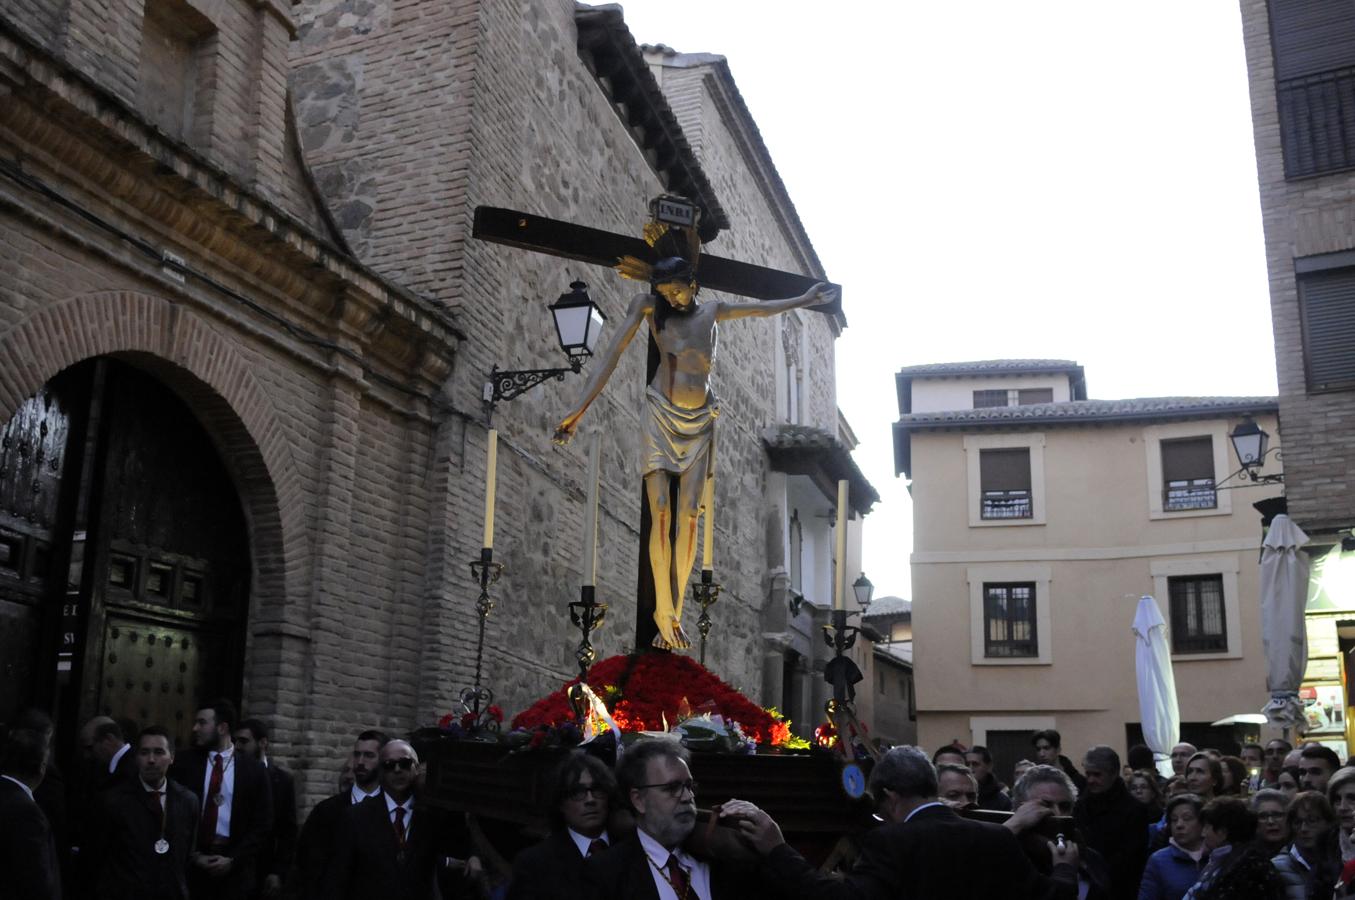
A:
(332, 322)
(1301, 218)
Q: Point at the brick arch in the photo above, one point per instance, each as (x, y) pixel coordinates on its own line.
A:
(193, 359)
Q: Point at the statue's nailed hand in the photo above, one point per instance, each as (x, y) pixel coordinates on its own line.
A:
(564, 432)
(824, 294)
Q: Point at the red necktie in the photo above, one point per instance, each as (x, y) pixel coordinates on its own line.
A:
(597, 846)
(400, 827)
(207, 830)
(677, 876)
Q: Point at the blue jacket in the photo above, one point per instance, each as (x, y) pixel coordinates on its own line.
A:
(1169, 874)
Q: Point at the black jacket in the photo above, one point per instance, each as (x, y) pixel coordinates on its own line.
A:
(1079, 781)
(367, 864)
(316, 843)
(624, 873)
(277, 855)
(120, 843)
(1116, 825)
(251, 807)
(550, 870)
(28, 863)
(934, 855)
(993, 794)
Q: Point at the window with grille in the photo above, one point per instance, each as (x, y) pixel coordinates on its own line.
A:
(986, 399)
(1004, 483)
(1016, 397)
(1009, 620)
(1314, 46)
(1198, 622)
(1188, 474)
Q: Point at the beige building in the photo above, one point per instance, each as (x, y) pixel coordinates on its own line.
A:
(1040, 518)
(1301, 66)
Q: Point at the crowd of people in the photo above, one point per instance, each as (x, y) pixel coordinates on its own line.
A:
(218, 820)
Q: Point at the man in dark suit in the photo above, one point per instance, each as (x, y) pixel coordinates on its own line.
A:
(925, 850)
(144, 831)
(1112, 822)
(237, 806)
(28, 860)
(394, 847)
(652, 864)
(275, 861)
(104, 746)
(580, 803)
(313, 848)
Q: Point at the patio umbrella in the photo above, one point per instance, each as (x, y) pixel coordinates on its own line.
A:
(1284, 594)
(1158, 711)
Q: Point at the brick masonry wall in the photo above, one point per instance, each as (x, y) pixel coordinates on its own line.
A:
(1300, 218)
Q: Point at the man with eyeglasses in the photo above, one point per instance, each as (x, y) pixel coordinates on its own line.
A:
(653, 864)
(392, 847)
(316, 842)
(581, 801)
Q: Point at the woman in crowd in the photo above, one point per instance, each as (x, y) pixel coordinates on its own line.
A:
(1237, 869)
(1234, 773)
(1204, 776)
(1341, 795)
(1272, 820)
(1172, 870)
(1288, 781)
(1143, 785)
(1310, 865)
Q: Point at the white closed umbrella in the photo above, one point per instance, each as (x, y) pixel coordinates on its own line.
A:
(1158, 712)
(1284, 594)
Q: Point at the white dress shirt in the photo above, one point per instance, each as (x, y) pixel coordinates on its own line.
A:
(698, 873)
(117, 758)
(26, 789)
(408, 807)
(163, 789)
(583, 843)
(357, 794)
(227, 794)
(921, 808)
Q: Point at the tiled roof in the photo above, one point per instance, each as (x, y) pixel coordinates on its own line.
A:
(1071, 413)
(803, 450)
(1092, 410)
(898, 651)
(889, 606)
(991, 367)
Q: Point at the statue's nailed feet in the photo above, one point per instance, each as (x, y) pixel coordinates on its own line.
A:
(670, 636)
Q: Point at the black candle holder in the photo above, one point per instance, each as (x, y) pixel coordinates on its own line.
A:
(477, 698)
(587, 615)
(705, 593)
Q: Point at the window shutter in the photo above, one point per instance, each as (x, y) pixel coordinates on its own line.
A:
(1327, 300)
(987, 399)
(1311, 36)
(1188, 459)
(1007, 469)
(1031, 396)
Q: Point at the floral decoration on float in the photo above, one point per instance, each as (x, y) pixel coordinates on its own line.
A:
(657, 692)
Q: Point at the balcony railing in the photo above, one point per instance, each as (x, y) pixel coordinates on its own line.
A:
(1006, 505)
(1196, 494)
(1317, 122)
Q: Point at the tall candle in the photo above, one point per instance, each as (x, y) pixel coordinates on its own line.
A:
(708, 538)
(590, 513)
(840, 557)
(491, 473)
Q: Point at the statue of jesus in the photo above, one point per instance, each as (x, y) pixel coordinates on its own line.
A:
(680, 426)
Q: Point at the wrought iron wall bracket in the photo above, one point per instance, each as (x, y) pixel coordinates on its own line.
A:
(510, 383)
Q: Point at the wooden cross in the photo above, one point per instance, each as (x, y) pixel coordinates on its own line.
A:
(539, 234)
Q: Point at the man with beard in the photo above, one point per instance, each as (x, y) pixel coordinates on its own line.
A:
(394, 847)
(652, 864)
(580, 803)
(236, 801)
(316, 843)
(143, 835)
(275, 860)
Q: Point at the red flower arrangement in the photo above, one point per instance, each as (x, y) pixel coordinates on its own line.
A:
(647, 690)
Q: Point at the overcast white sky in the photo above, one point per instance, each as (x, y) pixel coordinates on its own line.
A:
(987, 179)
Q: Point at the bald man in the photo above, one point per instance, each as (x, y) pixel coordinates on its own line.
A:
(105, 748)
(391, 845)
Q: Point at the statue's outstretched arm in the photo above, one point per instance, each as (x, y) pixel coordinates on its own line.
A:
(606, 364)
(818, 295)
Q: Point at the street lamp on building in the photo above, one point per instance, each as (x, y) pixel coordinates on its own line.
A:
(863, 590)
(1251, 444)
(578, 325)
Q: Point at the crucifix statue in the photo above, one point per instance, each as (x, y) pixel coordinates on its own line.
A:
(679, 426)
